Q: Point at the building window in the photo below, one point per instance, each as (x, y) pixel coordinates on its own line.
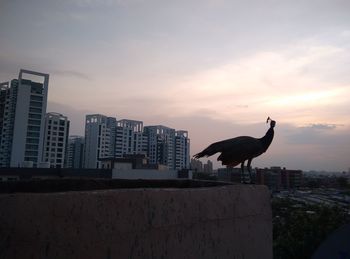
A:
(34, 116)
(34, 122)
(35, 104)
(37, 110)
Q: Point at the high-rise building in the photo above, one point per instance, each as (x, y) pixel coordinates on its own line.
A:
(161, 145)
(55, 139)
(75, 152)
(182, 150)
(23, 108)
(100, 133)
(208, 167)
(105, 137)
(196, 165)
(130, 138)
(4, 137)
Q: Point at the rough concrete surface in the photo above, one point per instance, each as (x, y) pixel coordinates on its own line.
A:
(232, 221)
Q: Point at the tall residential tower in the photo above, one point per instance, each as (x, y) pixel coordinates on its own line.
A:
(23, 107)
(100, 133)
(75, 152)
(161, 145)
(130, 138)
(182, 150)
(55, 139)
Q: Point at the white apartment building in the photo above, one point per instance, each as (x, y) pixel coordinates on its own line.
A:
(130, 138)
(161, 145)
(75, 152)
(22, 115)
(100, 133)
(5, 138)
(55, 139)
(182, 150)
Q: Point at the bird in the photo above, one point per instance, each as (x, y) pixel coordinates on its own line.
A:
(237, 150)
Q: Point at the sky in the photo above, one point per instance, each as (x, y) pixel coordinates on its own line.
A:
(217, 68)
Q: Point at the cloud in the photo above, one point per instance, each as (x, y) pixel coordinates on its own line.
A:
(104, 3)
(320, 126)
(319, 135)
(269, 82)
(70, 73)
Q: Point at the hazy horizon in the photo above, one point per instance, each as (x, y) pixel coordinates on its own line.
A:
(215, 68)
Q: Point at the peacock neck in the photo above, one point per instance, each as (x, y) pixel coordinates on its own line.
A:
(267, 139)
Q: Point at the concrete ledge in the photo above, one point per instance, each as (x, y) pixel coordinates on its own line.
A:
(222, 221)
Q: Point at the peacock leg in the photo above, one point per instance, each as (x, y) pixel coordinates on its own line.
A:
(249, 170)
(242, 173)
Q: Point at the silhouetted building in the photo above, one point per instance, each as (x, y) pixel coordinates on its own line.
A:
(105, 137)
(130, 138)
(75, 152)
(208, 167)
(230, 174)
(182, 150)
(4, 138)
(100, 133)
(161, 145)
(277, 178)
(55, 139)
(196, 165)
(291, 179)
(138, 161)
(23, 108)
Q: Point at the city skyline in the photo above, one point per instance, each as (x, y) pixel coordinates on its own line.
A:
(214, 68)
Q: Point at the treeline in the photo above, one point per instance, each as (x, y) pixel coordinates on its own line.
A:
(298, 228)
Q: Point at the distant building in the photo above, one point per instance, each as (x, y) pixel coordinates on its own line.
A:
(277, 178)
(137, 167)
(130, 138)
(291, 179)
(100, 133)
(75, 152)
(22, 116)
(105, 137)
(55, 139)
(230, 174)
(182, 150)
(5, 138)
(196, 165)
(271, 177)
(161, 145)
(208, 167)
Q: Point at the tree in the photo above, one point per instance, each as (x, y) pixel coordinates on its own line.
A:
(298, 229)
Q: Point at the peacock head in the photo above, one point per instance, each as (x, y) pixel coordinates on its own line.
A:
(272, 122)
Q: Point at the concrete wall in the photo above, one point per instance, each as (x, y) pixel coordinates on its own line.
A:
(144, 174)
(232, 221)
